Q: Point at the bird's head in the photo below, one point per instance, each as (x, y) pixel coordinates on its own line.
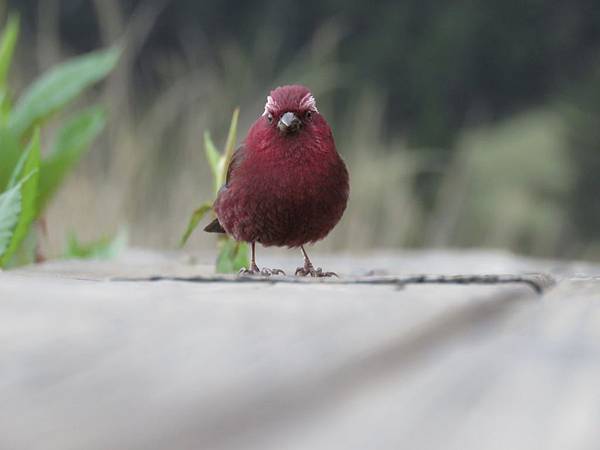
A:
(290, 109)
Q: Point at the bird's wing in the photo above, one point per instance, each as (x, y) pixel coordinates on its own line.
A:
(236, 160)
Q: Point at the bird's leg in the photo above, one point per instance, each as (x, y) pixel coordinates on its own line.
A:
(309, 270)
(254, 270)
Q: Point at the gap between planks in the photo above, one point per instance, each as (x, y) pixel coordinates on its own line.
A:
(538, 282)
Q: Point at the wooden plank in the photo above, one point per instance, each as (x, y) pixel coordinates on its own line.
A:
(97, 364)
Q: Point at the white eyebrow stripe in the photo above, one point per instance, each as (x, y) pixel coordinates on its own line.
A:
(309, 102)
(270, 106)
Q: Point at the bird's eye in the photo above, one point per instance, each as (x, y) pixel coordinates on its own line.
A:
(308, 114)
(270, 118)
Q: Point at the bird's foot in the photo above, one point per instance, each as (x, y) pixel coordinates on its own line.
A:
(268, 272)
(309, 271)
(255, 271)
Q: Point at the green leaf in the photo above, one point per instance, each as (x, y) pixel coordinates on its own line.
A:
(214, 158)
(241, 259)
(17, 173)
(5, 106)
(70, 145)
(10, 152)
(103, 248)
(60, 86)
(232, 135)
(229, 148)
(194, 221)
(10, 210)
(7, 48)
(29, 190)
(27, 252)
(232, 257)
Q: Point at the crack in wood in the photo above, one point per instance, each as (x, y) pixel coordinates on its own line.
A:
(539, 282)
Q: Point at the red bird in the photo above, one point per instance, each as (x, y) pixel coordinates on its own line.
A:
(286, 185)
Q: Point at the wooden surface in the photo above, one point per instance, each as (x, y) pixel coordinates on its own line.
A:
(90, 363)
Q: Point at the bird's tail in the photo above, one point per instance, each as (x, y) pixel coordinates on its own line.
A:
(214, 227)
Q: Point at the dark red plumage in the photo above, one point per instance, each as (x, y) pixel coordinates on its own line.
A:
(286, 185)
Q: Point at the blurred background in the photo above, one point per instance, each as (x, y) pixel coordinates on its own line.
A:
(464, 124)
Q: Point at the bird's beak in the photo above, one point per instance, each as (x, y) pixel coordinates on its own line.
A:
(289, 123)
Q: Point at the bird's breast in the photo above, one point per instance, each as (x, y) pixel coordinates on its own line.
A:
(286, 201)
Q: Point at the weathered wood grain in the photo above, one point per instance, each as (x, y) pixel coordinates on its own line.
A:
(87, 363)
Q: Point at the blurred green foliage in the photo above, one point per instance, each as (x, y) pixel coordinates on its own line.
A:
(512, 183)
(26, 175)
(232, 255)
(582, 113)
(28, 179)
(17, 203)
(463, 123)
(107, 247)
(435, 61)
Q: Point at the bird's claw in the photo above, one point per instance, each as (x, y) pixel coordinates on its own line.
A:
(268, 272)
(251, 271)
(310, 271)
(255, 271)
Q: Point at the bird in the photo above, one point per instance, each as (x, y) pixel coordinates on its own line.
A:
(286, 185)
